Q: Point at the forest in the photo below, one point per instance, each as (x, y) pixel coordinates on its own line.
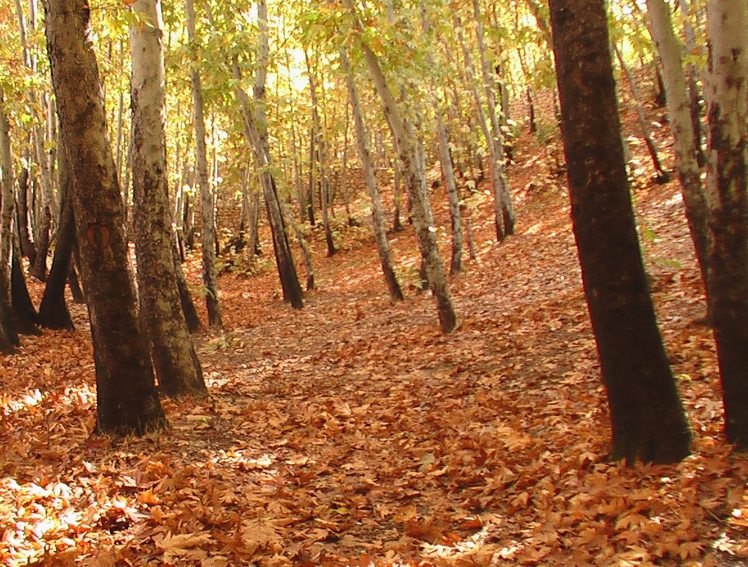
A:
(394, 283)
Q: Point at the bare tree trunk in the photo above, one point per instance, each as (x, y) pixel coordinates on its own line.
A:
(405, 135)
(684, 136)
(8, 334)
(662, 175)
(364, 155)
(127, 401)
(320, 157)
(496, 180)
(174, 357)
(489, 85)
(647, 417)
(208, 237)
(727, 182)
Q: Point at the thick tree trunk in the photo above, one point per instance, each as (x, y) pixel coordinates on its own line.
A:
(647, 418)
(25, 316)
(174, 357)
(364, 155)
(127, 401)
(208, 236)
(685, 140)
(727, 181)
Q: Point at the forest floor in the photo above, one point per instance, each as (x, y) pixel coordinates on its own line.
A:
(353, 433)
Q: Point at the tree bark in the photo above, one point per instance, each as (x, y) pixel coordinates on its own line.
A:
(647, 417)
(685, 140)
(364, 155)
(208, 237)
(727, 179)
(405, 136)
(8, 332)
(174, 357)
(53, 311)
(127, 401)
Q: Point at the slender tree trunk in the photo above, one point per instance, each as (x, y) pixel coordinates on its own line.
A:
(405, 135)
(496, 181)
(499, 160)
(255, 130)
(174, 357)
(445, 158)
(647, 417)
(8, 334)
(684, 136)
(208, 237)
(727, 181)
(22, 217)
(321, 158)
(127, 400)
(662, 175)
(53, 311)
(364, 155)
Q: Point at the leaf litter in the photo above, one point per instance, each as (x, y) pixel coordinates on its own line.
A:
(353, 433)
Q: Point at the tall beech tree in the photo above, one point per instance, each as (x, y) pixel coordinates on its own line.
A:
(8, 335)
(174, 358)
(727, 178)
(53, 310)
(685, 137)
(364, 154)
(208, 229)
(406, 138)
(127, 401)
(647, 417)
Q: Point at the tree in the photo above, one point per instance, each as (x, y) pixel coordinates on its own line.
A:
(647, 418)
(407, 143)
(53, 310)
(174, 357)
(364, 154)
(8, 335)
(127, 401)
(685, 139)
(208, 235)
(727, 178)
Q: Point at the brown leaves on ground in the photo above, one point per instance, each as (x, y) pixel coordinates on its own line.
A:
(353, 433)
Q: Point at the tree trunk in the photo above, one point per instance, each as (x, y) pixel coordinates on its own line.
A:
(8, 334)
(662, 175)
(53, 311)
(364, 155)
(320, 157)
(684, 137)
(647, 418)
(405, 136)
(499, 160)
(28, 248)
(127, 401)
(25, 316)
(496, 180)
(727, 181)
(174, 357)
(208, 237)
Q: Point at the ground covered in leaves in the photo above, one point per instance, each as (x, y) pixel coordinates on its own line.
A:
(353, 433)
